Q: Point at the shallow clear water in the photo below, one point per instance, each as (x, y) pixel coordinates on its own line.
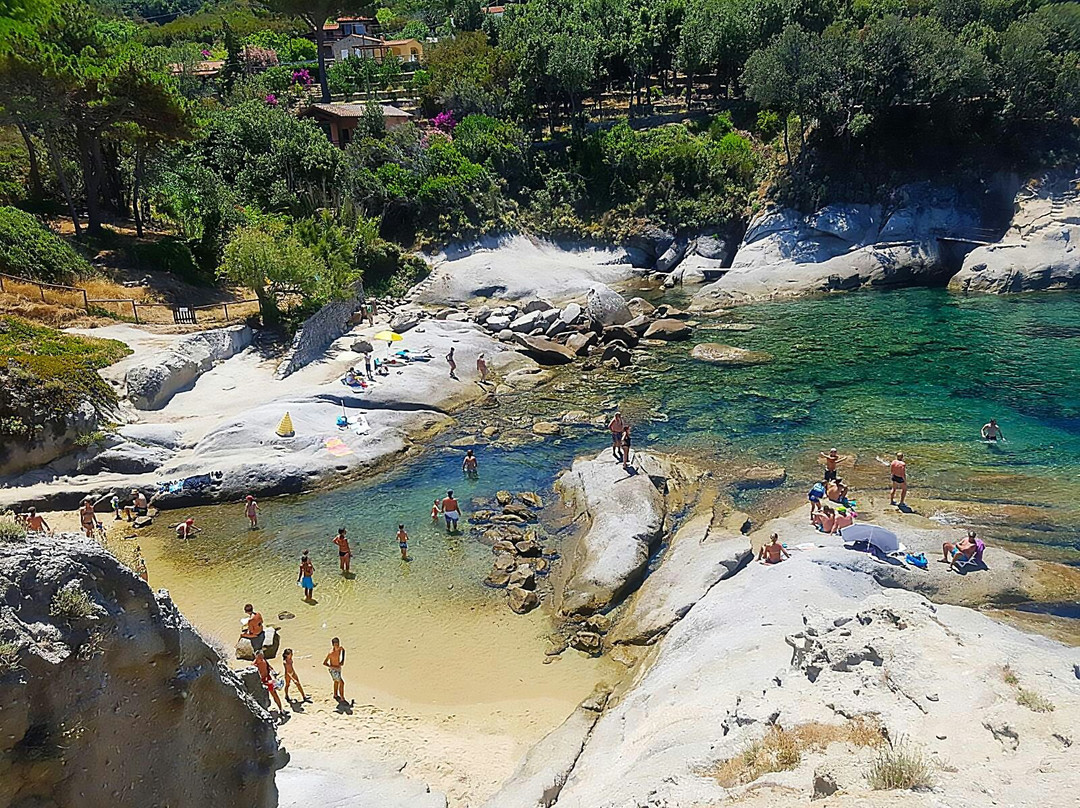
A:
(870, 373)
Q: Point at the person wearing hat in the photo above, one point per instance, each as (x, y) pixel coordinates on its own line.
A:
(251, 508)
(139, 505)
(187, 529)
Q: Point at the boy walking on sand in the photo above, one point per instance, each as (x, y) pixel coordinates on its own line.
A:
(403, 542)
(335, 661)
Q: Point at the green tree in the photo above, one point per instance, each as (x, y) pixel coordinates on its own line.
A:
(269, 261)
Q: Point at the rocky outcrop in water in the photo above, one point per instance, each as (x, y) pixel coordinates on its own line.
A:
(111, 698)
(846, 246)
(1041, 249)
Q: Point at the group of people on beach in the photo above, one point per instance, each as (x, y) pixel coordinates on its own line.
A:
(253, 629)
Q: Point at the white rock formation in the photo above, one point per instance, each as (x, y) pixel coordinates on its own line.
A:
(1041, 249)
(624, 513)
(150, 385)
(843, 247)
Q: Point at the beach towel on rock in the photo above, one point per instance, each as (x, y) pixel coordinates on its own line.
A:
(337, 447)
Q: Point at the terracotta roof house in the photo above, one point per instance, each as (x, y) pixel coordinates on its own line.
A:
(408, 50)
(339, 120)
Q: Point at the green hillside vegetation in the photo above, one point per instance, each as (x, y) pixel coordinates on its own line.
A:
(46, 375)
(596, 118)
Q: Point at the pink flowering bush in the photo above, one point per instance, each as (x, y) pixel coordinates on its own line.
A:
(444, 122)
(302, 77)
(271, 99)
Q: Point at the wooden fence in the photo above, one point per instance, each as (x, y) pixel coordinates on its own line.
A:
(126, 308)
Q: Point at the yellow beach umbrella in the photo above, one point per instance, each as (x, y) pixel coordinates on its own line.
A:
(388, 336)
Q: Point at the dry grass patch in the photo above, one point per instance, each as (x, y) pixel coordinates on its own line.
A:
(900, 767)
(1036, 702)
(782, 749)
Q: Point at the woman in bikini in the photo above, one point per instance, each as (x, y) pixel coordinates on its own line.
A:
(290, 675)
(344, 550)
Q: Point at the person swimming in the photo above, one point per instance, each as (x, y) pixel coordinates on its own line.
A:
(992, 431)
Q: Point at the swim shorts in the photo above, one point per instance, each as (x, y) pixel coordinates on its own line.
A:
(897, 480)
(335, 674)
(830, 475)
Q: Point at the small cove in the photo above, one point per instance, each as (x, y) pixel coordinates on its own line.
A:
(870, 373)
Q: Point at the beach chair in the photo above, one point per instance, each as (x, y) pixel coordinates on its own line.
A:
(976, 560)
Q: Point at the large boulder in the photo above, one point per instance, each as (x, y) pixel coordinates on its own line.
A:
(606, 306)
(544, 351)
(696, 559)
(580, 343)
(527, 322)
(152, 384)
(623, 512)
(672, 255)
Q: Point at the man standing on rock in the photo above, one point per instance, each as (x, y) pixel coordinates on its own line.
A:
(450, 512)
(898, 470)
(482, 368)
(335, 661)
(617, 426)
(832, 460)
(344, 551)
(453, 365)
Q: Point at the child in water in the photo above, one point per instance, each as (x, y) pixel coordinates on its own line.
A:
(403, 542)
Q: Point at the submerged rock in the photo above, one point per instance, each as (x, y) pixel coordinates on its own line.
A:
(546, 428)
(728, 355)
(761, 477)
(668, 329)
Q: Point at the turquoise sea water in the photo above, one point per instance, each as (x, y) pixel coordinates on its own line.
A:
(869, 373)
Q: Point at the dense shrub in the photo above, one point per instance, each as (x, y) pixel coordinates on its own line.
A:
(46, 375)
(31, 250)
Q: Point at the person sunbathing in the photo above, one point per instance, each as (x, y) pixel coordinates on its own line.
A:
(773, 552)
(825, 520)
(963, 550)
